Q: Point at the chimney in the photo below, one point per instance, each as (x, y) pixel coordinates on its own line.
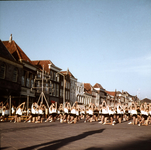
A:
(10, 38)
(67, 70)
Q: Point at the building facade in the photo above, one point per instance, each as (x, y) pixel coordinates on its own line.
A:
(51, 80)
(28, 73)
(73, 84)
(101, 93)
(10, 76)
(80, 92)
(66, 85)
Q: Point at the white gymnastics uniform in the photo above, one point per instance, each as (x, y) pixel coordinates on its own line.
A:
(19, 111)
(65, 110)
(40, 112)
(111, 112)
(13, 110)
(50, 112)
(90, 112)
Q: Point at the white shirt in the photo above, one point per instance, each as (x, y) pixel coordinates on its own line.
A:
(82, 112)
(36, 111)
(104, 111)
(111, 112)
(118, 111)
(53, 110)
(50, 112)
(65, 110)
(90, 112)
(13, 110)
(133, 112)
(144, 112)
(73, 111)
(33, 111)
(3, 112)
(77, 112)
(19, 111)
(41, 112)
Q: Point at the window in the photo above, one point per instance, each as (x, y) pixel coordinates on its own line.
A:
(47, 88)
(77, 88)
(2, 71)
(15, 75)
(54, 76)
(61, 93)
(51, 74)
(68, 85)
(27, 79)
(28, 82)
(57, 91)
(23, 81)
(54, 87)
(32, 80)
(39, 75)
(57, 77)
(68, 95)
(23, 78)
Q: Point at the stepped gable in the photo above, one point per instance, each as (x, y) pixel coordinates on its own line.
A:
(41, 63)
(16, 51)
(87, 88)
(5, 53)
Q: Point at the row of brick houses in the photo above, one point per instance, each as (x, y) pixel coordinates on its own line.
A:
(22, 79)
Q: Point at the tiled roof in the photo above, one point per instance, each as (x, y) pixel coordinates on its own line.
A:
(110, 93)
(87, 88)
(145, 100)
(65, 73)
(97, 85)
(41, 63)
(5, 53)
(16, 51)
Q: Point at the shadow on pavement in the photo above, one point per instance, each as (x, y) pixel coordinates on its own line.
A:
(135, 145)
(4, 148)
(54, 145)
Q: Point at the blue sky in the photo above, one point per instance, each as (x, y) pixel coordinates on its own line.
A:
(100, 41)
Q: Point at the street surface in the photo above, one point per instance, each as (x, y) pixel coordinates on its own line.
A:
(80, 136)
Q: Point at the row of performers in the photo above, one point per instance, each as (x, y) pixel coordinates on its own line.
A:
(140, 115)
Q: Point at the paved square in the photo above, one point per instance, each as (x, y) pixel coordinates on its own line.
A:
(80, 136)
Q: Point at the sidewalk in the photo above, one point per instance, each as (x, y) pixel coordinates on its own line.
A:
(80, 136)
